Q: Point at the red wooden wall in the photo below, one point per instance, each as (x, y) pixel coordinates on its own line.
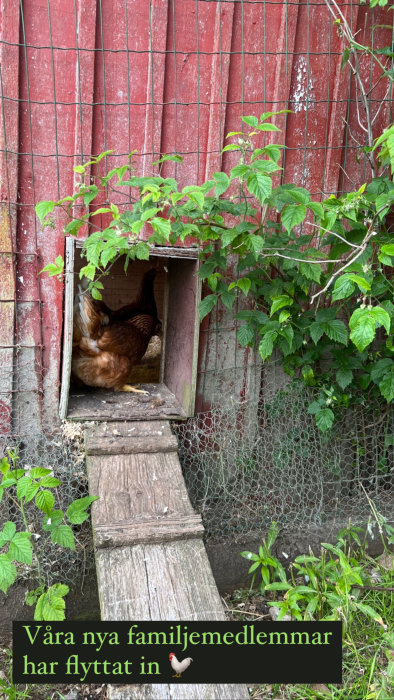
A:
(82, 76)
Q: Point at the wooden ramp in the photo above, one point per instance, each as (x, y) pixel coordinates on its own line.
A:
(150, 557)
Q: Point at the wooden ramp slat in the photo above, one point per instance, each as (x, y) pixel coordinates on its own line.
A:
(150, 558)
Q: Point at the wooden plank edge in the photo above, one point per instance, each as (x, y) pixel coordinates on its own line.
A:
(129, 533)
(112, 419)
(129, 445)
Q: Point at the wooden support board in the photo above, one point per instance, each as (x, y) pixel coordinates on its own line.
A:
(150, 558)
(100, 404)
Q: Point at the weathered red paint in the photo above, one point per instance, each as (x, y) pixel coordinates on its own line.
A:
(158, 76)
(9, 61)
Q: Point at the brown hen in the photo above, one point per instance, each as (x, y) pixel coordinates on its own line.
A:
(107, 344)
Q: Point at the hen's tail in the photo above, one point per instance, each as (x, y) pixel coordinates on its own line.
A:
(89, 315)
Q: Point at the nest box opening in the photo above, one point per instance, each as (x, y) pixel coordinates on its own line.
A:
(168, 370)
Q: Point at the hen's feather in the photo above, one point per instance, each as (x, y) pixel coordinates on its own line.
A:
(109, 343)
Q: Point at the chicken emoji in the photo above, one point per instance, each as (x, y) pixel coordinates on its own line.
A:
(179, 666)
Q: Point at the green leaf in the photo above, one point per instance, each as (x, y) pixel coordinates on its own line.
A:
(386, 386)
(250, 121)
(363, 322)
(76, 512)
(63, 535)
(293, 215)
(50, 482)
(361, 282)
(279, 302)
(229, 236)
(222, 183)
(21, 548)
(228, 299)
(308, 373)
(55, 268)
(316, 330)
(277, 587)
(343, 288)
(324, 419)
(244, 285)
(45, 501)
(266, 166)
(149, 213)
(206, 305)
(142, 250)
(162, 227)
(381, 368)
(108, 254)
(370, 612)
(336, 330)
(288, 334)
(345, 57)
(245, 335)
(73, 227)
(344, 377)
(266, 345)
(365, 380)
(95, 293)
(42, 209)
(249, 555)
(388, 249)
(268, 127)
(172, 157)
(50, 605)
(8, 531)
(363, 333)
(231, 147)
(312, 271)
(317, 209)
(283, 316)
(56, 517)
(4, 465)
(260, 186)
(22, 486)
(240, 170)
(381, 317)
(31, 491)
(8, 573)
(255, 243)
(87, 271)
(39, 472)
(195, 194)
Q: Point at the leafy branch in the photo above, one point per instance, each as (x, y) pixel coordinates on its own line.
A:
(18, 548)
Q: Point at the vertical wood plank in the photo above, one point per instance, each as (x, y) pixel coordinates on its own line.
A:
(9, 73)
(157, 28)
(219, 86)
(67, 326)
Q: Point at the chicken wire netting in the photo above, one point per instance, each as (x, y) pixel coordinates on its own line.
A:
(64, 455)
(247, 464)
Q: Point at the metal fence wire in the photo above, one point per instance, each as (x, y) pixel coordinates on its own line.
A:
(78, 77)
(246, 464)
(63, 454)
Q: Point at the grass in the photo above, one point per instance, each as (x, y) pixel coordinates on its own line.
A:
(368, 649)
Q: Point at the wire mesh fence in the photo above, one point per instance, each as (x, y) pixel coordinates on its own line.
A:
(246, 464)
(63, 455)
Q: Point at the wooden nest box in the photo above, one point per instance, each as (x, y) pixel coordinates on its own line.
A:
(168, 369)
